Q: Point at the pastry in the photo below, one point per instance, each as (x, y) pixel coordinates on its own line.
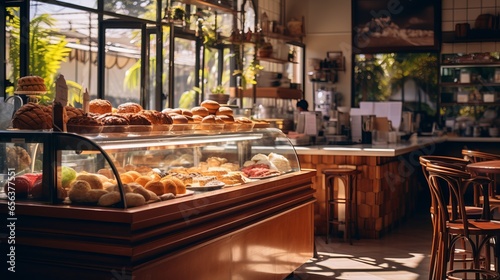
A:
(73, 112)
(226, 111)
(211, 105)
(179, 185)
(138, 123)
(84, 125)
(113, 123)
(169, 111)
(93, 180)
(169, 186)
(134, 199)
(143, 180)
(17, 158)
(78, 191)
(126, 178)
(157, 187)
(31, 83)
(134, 174)
(200, 111)
(32, 116)
(129, 107)
(245, 123)
(280, 161)
(109, 199)
(142, 191)
(186, 112)
(100, 106)
(93, 196)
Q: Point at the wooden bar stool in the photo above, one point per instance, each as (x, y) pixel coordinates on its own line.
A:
(348, 177)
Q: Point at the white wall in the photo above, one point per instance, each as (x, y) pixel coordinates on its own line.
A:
(328, 28)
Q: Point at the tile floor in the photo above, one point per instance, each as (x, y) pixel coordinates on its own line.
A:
(402, 254)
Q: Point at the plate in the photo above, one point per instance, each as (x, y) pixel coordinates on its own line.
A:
(205, 188)
(188, 192)
(30, 92)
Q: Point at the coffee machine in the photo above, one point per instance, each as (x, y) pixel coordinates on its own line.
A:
(362, 127)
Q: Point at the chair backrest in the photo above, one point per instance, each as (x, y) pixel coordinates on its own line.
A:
(477, 156)
(448, 186)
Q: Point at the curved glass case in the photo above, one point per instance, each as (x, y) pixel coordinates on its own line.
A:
(135, 170)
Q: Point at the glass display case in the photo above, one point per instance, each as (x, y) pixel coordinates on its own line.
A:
(124, 171)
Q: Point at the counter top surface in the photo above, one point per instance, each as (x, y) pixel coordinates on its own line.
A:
(382, 150)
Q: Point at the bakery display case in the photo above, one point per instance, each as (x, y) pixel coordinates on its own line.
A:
(109, 202)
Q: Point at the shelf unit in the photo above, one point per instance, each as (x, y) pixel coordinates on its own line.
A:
(473, 37)
(469, 81)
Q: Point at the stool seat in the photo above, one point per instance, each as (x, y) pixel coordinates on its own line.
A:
(348, 177)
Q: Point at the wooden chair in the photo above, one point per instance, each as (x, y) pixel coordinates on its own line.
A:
(447, 185)
(471, 210)
(477, 156)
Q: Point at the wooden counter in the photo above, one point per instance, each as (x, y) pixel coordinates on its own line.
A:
(388, 186)
(260, 230)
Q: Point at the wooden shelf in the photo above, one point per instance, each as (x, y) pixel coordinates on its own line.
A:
(275, 60)
(210, 5)
(471, 103)
(283, 37)
(272, 92)
(469, 84)
(473, 36)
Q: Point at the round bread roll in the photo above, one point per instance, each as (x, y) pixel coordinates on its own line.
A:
(167, 196)
(157, 187)
(210, 119)
(142, 191)
(153, 197)
(129, 107)
(100, 106)
(18, 158)
(109, 199)
(218, 120)
(180, 187)
(126, 178)
(226, 111)
(134, 174)
(186, 112)
(143, 180)
(170, 186)
(200, 111)
(211, 105)
(94, 195)
(179, 119)
(169, 111)
(129, 167)
(113, 123)
(134, 199)
(106, 172)
(197, 119)
(32, 116)
(93, 180)
(78, 191)
(226, 118)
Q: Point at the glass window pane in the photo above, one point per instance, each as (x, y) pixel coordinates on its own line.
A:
(12, 41)
(86, 3)
(73, 45)
(122, 66)
(184, 68)
(408, 77)
(145, 9)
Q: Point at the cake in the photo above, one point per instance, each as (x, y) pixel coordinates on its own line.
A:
(32, 116)
(31, 83)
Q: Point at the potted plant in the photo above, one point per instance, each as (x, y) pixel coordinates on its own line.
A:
(178, 15)
(218, 94)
